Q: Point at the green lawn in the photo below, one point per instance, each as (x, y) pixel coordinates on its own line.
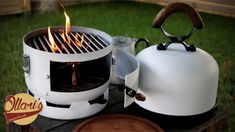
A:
(120, 18)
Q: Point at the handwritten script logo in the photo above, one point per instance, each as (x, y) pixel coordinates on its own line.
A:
(21, 109)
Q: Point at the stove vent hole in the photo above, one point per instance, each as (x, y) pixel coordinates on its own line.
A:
(57, 105)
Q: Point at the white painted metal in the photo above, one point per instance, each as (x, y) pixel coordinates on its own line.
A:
(177, 82)
(78, 109)
(127, 73)
(38, 78)
(131, 81)
(125, 44)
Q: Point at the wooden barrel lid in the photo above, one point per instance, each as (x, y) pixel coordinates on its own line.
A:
(117, 123)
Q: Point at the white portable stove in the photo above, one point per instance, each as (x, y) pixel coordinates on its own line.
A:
(71, 77)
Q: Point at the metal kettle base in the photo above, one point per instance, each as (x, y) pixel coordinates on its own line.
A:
(166, 121)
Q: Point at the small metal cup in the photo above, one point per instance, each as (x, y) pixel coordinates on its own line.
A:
(127, 44)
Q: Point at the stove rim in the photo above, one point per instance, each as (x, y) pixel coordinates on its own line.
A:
(78, 29)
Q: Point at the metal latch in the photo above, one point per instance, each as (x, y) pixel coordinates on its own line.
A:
(132, 93)
(26, 63)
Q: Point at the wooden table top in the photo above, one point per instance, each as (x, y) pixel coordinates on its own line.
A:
(216, 119)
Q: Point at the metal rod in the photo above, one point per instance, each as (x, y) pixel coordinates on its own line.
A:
(68, 44)
(58, 47)
(44, 47)
(87, 43)
(64, 47)
(96, 41)
(36, 44)
(82, 44)
(91, 42)
(48, 43)
(76, 46)
(102, 40)
(75, 43)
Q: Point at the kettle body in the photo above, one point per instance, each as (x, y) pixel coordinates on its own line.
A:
(176, 78)
(177, 82)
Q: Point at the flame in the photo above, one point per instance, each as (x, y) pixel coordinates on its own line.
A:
(67, 27)
(74, 77)
(65, 35)
(79, 43)
(52, 41)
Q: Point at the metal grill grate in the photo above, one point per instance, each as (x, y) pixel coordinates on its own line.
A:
(87, 43)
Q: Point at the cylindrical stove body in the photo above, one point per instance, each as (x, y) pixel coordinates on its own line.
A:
(76, 75)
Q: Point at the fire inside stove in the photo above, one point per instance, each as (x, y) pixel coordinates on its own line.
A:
(67, 76)
(74, 76)
(77, 43)
(68, 68)
(79, 76)
(66, 41)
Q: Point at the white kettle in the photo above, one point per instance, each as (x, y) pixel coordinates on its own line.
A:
(176, 78)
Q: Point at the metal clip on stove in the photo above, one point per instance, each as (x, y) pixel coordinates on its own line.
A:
(26, 63)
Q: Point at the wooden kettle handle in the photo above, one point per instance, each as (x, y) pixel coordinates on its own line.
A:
(178, 7)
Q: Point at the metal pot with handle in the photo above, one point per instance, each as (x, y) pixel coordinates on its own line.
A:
(127, 45)
(176, 78)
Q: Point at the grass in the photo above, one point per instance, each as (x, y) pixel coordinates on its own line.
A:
(120, 18)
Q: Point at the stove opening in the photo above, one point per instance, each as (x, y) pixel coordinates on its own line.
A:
(79, 76)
